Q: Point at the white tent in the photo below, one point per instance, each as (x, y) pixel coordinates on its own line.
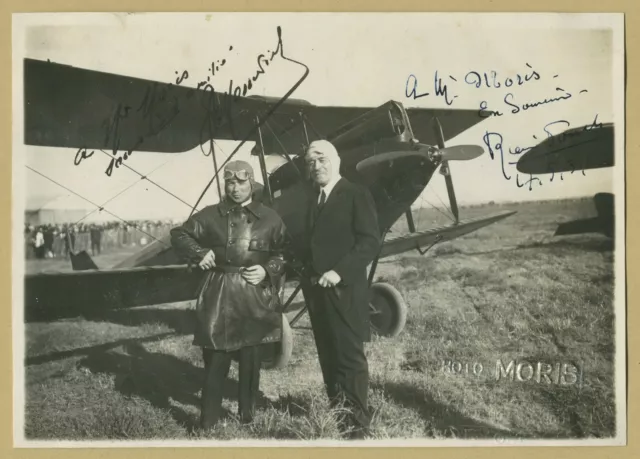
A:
(65, 208)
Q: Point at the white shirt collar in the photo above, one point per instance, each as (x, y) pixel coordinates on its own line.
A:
(246, 203)
(328, 188)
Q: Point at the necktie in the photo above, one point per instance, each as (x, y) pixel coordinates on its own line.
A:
(323, 199)
(319, 205)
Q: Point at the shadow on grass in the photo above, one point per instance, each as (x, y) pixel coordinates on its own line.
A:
(180, 320)
(159, 378)
(444, 420)
(87, 350)
(590, 244)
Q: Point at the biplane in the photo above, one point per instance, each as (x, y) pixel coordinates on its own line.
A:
(392, 150)
(577, 149)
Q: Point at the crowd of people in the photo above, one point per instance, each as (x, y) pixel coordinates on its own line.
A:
(57, 240)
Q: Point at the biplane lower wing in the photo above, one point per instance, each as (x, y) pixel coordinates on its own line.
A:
(424, 239)
(50, 295)
(83, 293)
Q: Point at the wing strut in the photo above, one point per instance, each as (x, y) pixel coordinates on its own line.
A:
(263, 165)
(304, 127)
(215, 168)
(284, 151)
(445, 170)
(410, 223)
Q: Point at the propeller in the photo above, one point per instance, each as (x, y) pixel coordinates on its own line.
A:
(461, 152)
(456, 153)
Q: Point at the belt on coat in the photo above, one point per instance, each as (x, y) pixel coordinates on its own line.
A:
(229, 269)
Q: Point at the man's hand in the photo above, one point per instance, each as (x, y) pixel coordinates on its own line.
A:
(254, 274)
(329, 279)
(209, 261)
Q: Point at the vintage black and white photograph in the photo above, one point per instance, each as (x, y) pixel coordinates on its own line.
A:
(394, 229)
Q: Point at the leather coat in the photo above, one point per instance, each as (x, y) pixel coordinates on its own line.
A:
(230, 312)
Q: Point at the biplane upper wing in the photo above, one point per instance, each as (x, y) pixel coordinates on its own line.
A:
(71, 107)
(453, 122)
(586, 147)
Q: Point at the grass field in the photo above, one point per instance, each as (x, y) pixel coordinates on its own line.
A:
(534, 311)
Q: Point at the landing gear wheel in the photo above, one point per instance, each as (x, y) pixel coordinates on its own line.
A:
(388, 311)
(277, 355)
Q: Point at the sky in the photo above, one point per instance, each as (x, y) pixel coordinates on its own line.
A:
(354, 60)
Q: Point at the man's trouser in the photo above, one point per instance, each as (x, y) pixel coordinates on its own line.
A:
(216, 368)
(342, 359)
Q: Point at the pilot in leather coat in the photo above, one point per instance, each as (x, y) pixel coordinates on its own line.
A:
(240, 242)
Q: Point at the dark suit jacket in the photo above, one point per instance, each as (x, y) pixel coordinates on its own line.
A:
(344, 237)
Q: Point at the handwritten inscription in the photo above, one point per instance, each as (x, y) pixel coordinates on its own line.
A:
(474, 78)
(160, 105)
(440, 89)
(492, 79)
(81, 155)
(510, 103)
(515, 106)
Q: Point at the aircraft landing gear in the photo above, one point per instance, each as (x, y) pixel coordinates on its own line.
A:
(388, 315)
(277, 355)
(388, 310)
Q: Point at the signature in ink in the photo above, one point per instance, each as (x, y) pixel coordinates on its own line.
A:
(495, 144)
(562, 137)
(411, 89)
(260, 120)
(160, 106)
(219, 106)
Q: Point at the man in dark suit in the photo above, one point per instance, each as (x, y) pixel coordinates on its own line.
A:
(343, 238)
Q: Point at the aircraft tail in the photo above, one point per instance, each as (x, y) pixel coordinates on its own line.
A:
(82, 261)
(603, 223)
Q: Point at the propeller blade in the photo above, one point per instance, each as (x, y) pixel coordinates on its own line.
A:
(387, 157)
(445, 167)
(437, 127)
(456, 153)
(461, 152)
